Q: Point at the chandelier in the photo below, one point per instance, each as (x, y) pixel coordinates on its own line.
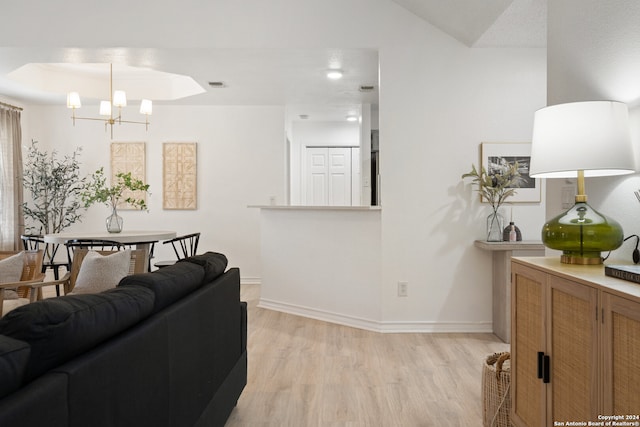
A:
(117, 99)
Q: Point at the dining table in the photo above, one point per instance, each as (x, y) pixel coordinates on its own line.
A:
(142, 239)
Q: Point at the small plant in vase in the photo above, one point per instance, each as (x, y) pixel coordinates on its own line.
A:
(96, 190)
(495, 188)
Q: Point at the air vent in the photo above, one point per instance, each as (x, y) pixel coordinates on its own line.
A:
(217, 84)
(367, 88)
(304, 116)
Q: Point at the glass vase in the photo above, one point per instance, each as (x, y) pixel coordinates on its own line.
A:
(495, 226)
(114, 222)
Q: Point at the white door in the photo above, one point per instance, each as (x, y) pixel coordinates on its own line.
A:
(356, 193)
(317, 176)
(329, 176)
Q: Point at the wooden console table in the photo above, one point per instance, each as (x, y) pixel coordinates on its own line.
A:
(502, 252)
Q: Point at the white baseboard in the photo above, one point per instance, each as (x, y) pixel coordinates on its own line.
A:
(375, 325)
(250, 281)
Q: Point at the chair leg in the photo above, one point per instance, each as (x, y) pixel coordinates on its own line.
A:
(56, 275)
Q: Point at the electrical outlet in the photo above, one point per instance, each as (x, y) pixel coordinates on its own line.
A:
(403, 289)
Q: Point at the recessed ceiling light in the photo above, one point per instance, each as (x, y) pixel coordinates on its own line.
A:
(334, 74)
(352, 118)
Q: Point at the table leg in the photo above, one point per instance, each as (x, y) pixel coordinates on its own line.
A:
(502, 295)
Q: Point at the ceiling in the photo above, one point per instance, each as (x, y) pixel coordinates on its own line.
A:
(292, 77)
(486, 23)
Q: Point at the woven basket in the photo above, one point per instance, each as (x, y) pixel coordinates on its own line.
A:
(496, 399)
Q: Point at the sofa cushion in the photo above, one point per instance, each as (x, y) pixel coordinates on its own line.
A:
(101, 272)
(169, 284)
(213, 263)
(57, 329)
(14, 355)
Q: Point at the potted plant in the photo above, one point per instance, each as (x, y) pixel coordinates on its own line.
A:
(122, 191)
(55, 187)
(495, 188)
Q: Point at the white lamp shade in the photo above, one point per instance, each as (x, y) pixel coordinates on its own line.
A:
(146, 107)
(105, 108)
(592, 136)
(119, 98)
(73, 100)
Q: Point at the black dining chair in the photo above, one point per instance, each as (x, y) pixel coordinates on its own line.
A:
(35, 242)
(94, 244)
(183, 246)
(110, 245)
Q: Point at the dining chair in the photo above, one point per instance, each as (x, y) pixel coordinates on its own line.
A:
(149, 247)
(31, 274)
(109, 245)
(137, 265)
(34, 242)
(183, 246)
(95, 244)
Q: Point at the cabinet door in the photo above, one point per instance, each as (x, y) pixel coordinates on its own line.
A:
(572, 344)
(621, 358)
(527, 340)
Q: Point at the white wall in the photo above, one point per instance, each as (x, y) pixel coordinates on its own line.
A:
(337, 262)
(323, 134)
(458, 98)
(438, 101)
(593, 55)
(238, 165)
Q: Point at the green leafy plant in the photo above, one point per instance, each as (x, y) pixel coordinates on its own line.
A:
(55, 187)
(496, 187)
(97, 190)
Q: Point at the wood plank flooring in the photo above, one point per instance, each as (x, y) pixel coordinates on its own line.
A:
(304, 372)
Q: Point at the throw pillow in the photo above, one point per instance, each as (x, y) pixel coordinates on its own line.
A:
(101, 272)
(11, 271)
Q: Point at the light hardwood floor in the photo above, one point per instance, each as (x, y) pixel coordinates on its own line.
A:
(304, 372)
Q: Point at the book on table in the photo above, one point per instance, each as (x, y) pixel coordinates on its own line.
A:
(624, 272)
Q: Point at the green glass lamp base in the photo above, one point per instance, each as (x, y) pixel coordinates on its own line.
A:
(582, 233)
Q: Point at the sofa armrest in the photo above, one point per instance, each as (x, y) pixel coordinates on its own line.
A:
(243, 326)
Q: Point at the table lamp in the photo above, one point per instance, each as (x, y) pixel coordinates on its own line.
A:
(582, 139)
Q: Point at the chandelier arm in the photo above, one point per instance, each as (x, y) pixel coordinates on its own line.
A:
(130, 121)
(91, 118)
(112, 120)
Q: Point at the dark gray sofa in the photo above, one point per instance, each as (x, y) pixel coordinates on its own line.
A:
(166, 348)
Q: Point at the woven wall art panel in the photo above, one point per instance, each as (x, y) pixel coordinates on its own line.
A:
(129, 157)
(179, 175)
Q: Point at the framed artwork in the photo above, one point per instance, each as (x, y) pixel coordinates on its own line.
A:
(494, 157)
(179, 175)
(129, 157)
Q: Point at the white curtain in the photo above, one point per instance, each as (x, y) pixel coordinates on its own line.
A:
(11, 218)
